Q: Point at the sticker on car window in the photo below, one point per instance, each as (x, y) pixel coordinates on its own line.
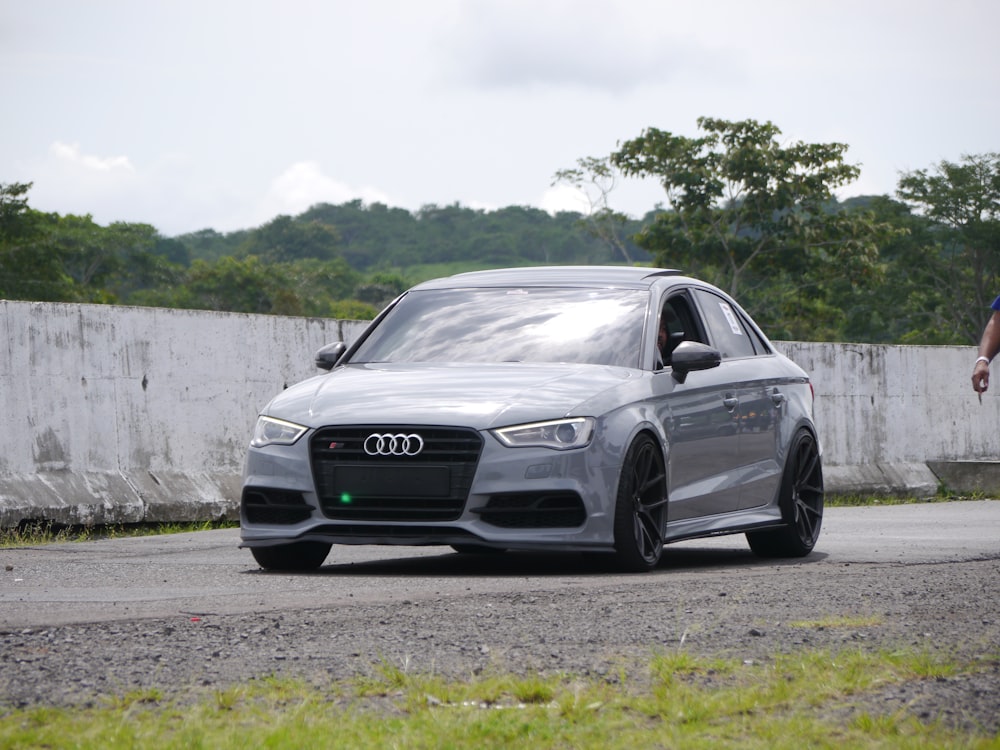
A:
(731, 317)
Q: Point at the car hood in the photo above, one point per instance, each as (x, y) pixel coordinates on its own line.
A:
(480, 396)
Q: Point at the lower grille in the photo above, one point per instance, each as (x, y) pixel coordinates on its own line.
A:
(411, 535)
(534, 510)
(269, 506)
(432, 485)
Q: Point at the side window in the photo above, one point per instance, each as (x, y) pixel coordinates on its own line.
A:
(729, 334)
(758, 343)
(677, 324)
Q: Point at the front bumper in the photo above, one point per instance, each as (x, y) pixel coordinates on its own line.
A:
(516, 498)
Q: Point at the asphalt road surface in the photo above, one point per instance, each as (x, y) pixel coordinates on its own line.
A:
(205, 573)
(79, 620)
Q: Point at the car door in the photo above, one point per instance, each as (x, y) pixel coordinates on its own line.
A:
(699, 417)
(745, 357)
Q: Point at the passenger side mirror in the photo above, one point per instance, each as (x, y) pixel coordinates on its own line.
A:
(692, 355)
(328, 355)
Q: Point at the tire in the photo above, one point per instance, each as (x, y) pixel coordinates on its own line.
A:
(640, 507)
(295, 556)
(801, 503)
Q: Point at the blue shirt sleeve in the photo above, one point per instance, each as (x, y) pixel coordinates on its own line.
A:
(996, 304)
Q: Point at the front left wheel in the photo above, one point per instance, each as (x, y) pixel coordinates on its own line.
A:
(295, 556)
(641, 507)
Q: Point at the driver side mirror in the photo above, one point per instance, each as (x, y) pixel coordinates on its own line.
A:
(328, 355)
(690, 356)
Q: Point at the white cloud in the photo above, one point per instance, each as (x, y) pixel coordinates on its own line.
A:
(70, 152)
(564, 198)
(129, 112)
(71, 181)
(303, 185)
(553, 44)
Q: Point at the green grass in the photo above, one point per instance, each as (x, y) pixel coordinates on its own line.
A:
(46, 532)
(805, 700)
(853, 501)
(840, 621)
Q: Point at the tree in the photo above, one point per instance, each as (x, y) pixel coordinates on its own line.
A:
(963, 201)
(15, 216)
(30, 267)
(740, 202)
(596, 178)
(207, 244)
(304, 287)
(285, 239)
(172, 251)
(93, 254)
(380, 289)
(245, 285)
(312, 287)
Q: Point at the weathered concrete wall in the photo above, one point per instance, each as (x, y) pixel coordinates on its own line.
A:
(127, 414)
(124, 415)
(901, 418)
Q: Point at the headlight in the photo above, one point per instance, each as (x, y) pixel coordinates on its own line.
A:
(271, 431)
(560, 434)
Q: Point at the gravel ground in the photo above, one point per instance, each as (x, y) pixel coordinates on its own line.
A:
(751, 614)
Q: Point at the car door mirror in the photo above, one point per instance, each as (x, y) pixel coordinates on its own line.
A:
(692, 355)
(328, 355)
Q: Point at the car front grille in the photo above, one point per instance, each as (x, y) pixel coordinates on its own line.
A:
(534, 510)
(271, 506)
(431, 485)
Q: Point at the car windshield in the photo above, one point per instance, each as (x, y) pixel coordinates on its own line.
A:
(594, 326)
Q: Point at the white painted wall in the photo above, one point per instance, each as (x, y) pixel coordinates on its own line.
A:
(885, 412)
(899, 404)
(129, 414)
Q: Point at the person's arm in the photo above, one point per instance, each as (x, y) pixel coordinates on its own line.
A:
(989, 345)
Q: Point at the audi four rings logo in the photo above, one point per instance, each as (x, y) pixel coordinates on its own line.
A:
(393, 445)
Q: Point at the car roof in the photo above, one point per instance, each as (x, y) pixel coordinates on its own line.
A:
(583, 276)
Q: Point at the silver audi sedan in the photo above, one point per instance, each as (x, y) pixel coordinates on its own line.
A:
(603, 410)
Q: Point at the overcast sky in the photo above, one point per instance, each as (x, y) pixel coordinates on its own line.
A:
(194, 114)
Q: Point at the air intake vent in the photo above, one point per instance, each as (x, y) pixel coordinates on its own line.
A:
(534, 510)
(269, 506)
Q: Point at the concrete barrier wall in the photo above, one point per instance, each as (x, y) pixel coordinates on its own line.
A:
(127, 414)
(901, 419)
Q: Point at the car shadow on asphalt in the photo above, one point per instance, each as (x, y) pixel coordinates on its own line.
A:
(546, 564)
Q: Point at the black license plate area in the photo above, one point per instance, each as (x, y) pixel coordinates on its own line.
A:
(407, 481)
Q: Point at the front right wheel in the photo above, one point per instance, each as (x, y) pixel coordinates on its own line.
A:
(801, 503)
(295, 556)
(641, 507)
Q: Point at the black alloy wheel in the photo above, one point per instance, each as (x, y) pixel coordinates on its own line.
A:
(641, 507)
(295, 556)
(801, 503)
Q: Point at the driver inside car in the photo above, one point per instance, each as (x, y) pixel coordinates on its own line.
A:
(669, 335)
